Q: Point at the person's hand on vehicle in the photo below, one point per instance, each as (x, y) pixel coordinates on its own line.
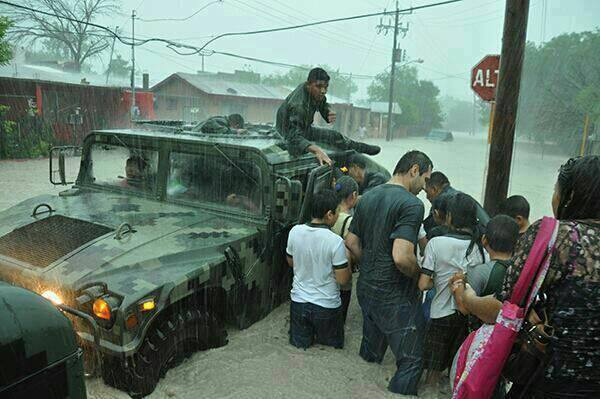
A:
(331, 117)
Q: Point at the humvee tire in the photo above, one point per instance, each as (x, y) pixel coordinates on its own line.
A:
(168, 342)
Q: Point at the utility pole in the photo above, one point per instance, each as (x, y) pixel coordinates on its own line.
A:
(507, 102)
(112, 49)
(133, 64)
(395, 57)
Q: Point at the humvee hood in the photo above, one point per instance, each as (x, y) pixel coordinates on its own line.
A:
(75, 244)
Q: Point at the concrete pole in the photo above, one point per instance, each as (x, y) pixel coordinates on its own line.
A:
(388, 136)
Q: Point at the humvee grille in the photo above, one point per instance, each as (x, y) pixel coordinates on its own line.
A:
(43, 242)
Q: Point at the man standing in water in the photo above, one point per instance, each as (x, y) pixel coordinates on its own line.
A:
(382, 237)
(296, 114)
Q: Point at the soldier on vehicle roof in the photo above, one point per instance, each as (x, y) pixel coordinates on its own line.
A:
(232, 124)
(295, 117)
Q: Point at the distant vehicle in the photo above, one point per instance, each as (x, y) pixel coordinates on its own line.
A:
(165, 236)
(440, 135)
(38, 348)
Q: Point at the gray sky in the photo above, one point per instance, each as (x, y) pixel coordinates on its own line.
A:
(450, 39)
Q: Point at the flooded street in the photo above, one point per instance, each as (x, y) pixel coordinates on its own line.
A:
(259, 362)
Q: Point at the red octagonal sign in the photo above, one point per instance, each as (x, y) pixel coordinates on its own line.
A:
(484, 77)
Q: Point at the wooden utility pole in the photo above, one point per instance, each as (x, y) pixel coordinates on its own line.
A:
(507, 102)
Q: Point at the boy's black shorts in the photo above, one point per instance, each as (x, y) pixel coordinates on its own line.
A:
(310, 324)
(443, 337)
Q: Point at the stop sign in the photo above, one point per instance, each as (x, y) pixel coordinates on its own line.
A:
(484, 77)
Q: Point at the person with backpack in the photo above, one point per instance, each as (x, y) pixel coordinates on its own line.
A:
(347, 191)
(446, 255)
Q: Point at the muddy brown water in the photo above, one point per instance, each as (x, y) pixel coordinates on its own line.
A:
(258, 362)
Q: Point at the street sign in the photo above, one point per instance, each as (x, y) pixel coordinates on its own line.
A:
(484, 77)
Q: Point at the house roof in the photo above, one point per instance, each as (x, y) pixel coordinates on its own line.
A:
(45, 73)
(214, 84)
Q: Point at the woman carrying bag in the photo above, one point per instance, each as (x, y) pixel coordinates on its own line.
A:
(553, 345)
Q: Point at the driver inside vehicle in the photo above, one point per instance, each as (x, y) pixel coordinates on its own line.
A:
(136, 172)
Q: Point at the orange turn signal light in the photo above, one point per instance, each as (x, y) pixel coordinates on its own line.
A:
(147, 305)
(131, 321)
(101, 309)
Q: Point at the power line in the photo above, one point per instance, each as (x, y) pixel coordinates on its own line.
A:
(174, 46)
(181, 19)
(327, 21)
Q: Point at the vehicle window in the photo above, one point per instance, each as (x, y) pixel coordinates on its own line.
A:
(213, 179)
(119, 166)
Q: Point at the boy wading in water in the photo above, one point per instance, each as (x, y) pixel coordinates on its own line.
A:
(318, 257)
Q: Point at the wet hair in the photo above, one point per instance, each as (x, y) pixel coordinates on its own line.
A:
(502, 233)
(236, 119)
(323, 202)
(438, 179)
(441, 203)
(514, 206)
(413, 158)
(358, 160)
(579, 188)
(463, 211)
(345, 186)
(317, 74)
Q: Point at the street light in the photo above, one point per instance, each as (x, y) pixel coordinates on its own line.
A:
(388, 136)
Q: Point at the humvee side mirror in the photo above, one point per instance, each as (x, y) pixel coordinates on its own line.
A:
(59, 155)
(288, 196)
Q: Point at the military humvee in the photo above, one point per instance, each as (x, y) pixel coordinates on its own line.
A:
(165, 237)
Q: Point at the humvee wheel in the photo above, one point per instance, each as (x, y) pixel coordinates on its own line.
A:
(168, 342)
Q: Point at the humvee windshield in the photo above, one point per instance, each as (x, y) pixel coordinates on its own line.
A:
(214, 179)
(119, 166)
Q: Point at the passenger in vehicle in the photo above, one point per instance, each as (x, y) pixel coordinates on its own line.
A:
(232, 124)
(136, 172)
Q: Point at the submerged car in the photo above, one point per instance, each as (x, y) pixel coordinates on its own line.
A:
(165, 238)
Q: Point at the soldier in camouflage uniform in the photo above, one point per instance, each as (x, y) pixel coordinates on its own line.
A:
(295, 117)
(232, 124)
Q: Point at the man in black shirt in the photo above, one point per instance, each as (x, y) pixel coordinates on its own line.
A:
(383, 237)
(366, 179)
(439, 184)
(295, 117)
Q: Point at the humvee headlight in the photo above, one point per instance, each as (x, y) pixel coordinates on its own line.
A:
(101, 309)
(52, 297)
(147, 305)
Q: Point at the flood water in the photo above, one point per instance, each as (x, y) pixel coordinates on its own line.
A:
(259, 362)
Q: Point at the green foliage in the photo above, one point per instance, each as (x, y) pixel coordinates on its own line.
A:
(28, 138)
(560, 86)
(119, 67)
(458, 114)
(5, 48)
(341, 86)
(418, 99)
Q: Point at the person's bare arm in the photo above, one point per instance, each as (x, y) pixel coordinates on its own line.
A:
(485, 308)
(343, 276)
(405, 260)
(352, 242)
(422, 245)
(457, 286)
(290, 261)
(425, 282)
(319, 154)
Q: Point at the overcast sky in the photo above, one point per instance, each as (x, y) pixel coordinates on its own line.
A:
(450, 39)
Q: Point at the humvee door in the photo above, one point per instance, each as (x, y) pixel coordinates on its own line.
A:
(319, 179)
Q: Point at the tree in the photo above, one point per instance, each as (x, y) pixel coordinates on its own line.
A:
(560, 87)
(459, 115)
(119, 67)
(5, 47)
(77, 40)
(340, 85)
(418, 99)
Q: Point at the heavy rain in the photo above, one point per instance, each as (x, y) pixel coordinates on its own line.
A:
(267, 198)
